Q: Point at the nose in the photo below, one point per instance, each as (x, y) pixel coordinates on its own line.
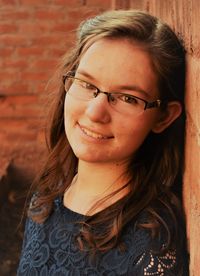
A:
(98, 109)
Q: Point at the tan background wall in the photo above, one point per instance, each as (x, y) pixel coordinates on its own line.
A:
(33, 36)
(183, 16)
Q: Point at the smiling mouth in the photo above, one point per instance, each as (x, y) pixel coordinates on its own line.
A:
(94, 134)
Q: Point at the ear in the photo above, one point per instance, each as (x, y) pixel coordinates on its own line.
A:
(168, 116)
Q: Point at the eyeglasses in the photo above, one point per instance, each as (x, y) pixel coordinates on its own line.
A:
(121, 102)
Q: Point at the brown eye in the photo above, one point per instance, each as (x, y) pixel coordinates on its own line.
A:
(86, 85)
(128, 99)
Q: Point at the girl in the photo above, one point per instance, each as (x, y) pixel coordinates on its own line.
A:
(106, 201)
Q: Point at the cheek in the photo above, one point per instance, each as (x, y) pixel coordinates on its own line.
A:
(134, 132)
(69, 115)
(71, 110)
(67, 108)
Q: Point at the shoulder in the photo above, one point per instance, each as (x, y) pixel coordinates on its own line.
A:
(160, 227)
(158, 253)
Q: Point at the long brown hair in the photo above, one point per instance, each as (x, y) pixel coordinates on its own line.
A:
(156, 170)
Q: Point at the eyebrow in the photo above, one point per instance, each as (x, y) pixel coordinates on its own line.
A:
(121, 87)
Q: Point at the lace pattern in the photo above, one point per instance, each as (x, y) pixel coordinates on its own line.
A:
(157, 265)
(49, 250)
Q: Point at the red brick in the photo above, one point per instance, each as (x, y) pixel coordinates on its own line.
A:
(22, 64)
(75, 14)
(49, 40)
(49, 15)
(64, 27)
(20, 107)
(14, 15)
(20, 137)
(99, 3)
(15, 88)
(47, 64)
(16, 125)
(8, 2)
(4, 52)
(20, 100)
(73, 3)
(14, 40)
(18, 131)
(34, 76)
(34, 2)
(5, 75)
(30, 51)
(8, 28)
(124, 4)
(34, 28)
(40, 87)
(44, 32)
(57, 53)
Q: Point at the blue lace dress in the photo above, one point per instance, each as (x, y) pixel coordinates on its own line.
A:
(49, 249)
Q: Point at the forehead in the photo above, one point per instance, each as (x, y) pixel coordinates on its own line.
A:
(116, 62)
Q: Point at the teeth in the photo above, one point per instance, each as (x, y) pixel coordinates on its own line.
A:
(93, 134)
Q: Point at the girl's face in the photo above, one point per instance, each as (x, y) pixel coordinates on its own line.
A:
(95, 130)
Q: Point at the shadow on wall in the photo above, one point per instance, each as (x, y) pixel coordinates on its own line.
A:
(13, 190)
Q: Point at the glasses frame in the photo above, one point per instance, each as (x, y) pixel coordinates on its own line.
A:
(155, 104)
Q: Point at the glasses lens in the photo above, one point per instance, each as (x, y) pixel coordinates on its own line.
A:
(80, 89)
(122, 103)
(127, 104)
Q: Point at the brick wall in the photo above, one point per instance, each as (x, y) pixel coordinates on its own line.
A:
(34, 34)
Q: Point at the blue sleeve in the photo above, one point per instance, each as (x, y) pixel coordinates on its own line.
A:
(154, 258)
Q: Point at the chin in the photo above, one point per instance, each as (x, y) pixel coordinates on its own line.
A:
(89, 158)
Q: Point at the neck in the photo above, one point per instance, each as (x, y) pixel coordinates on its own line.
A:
(100, 179)
(93, 183)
